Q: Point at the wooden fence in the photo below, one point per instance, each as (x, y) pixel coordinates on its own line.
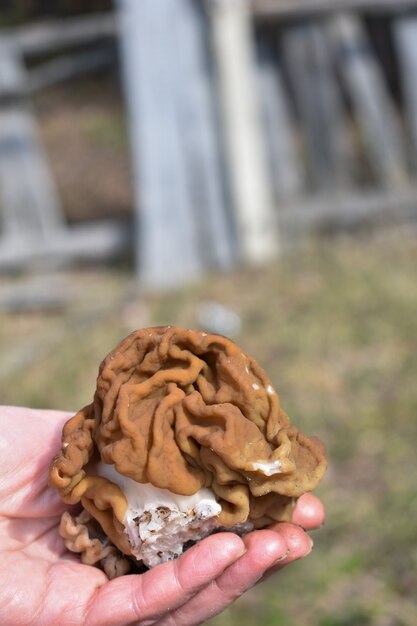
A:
(247, 122)
(293, 82)
(33, 228)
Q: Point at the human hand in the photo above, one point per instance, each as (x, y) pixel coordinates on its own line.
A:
(42, 584)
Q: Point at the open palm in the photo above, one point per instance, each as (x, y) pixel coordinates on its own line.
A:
(42, 584)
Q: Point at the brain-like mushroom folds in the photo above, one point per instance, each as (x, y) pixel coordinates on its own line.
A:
(185, 436)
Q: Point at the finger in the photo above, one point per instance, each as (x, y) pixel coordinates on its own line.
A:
(147, 597)
(263, 549)
(309, 512)
(299, 545)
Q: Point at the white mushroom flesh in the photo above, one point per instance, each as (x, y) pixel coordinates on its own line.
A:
(268, 468)
(158, 522)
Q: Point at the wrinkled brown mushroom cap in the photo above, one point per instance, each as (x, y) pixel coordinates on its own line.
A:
(183, 409)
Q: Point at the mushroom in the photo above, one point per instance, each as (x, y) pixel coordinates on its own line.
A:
(185, 437)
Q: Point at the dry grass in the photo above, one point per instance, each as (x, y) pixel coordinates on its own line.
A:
(335, 325)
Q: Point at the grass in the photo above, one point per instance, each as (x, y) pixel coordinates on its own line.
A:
(335, 324)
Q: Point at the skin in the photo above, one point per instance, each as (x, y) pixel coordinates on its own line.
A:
(41, 583)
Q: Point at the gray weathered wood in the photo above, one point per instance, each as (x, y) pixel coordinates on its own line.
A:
(12, 73)
(166, 242)
(28, 198)
(286, 172)
(405, 33)
(93, 243)
(246, 158)
(267, 9)
(309, 63)
(38, 39)
(349, 211)
(372, 104)
(200, 139)
(68, 66)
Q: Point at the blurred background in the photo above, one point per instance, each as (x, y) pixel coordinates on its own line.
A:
(248, 167)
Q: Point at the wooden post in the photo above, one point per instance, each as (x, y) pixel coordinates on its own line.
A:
(246, 161)
(28, 198)
(166, 243)
(200, 138)
(376, 115)
(286, 172)
(405, 33)
(182, 223)
(318, 101)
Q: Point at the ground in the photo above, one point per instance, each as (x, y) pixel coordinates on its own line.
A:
(334, 323)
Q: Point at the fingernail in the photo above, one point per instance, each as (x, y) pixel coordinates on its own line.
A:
(282, 557)
(311, 545)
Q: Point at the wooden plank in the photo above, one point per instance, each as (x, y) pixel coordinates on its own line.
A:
(84, 243)
(285, 164)
(405, 35)
(371, 101)
(69, 66)
(28, 197)
(278, 9)
(27, 192)
(38, 39)
(246, 159)
(166, 241)
(348, 211)
(307, 56)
